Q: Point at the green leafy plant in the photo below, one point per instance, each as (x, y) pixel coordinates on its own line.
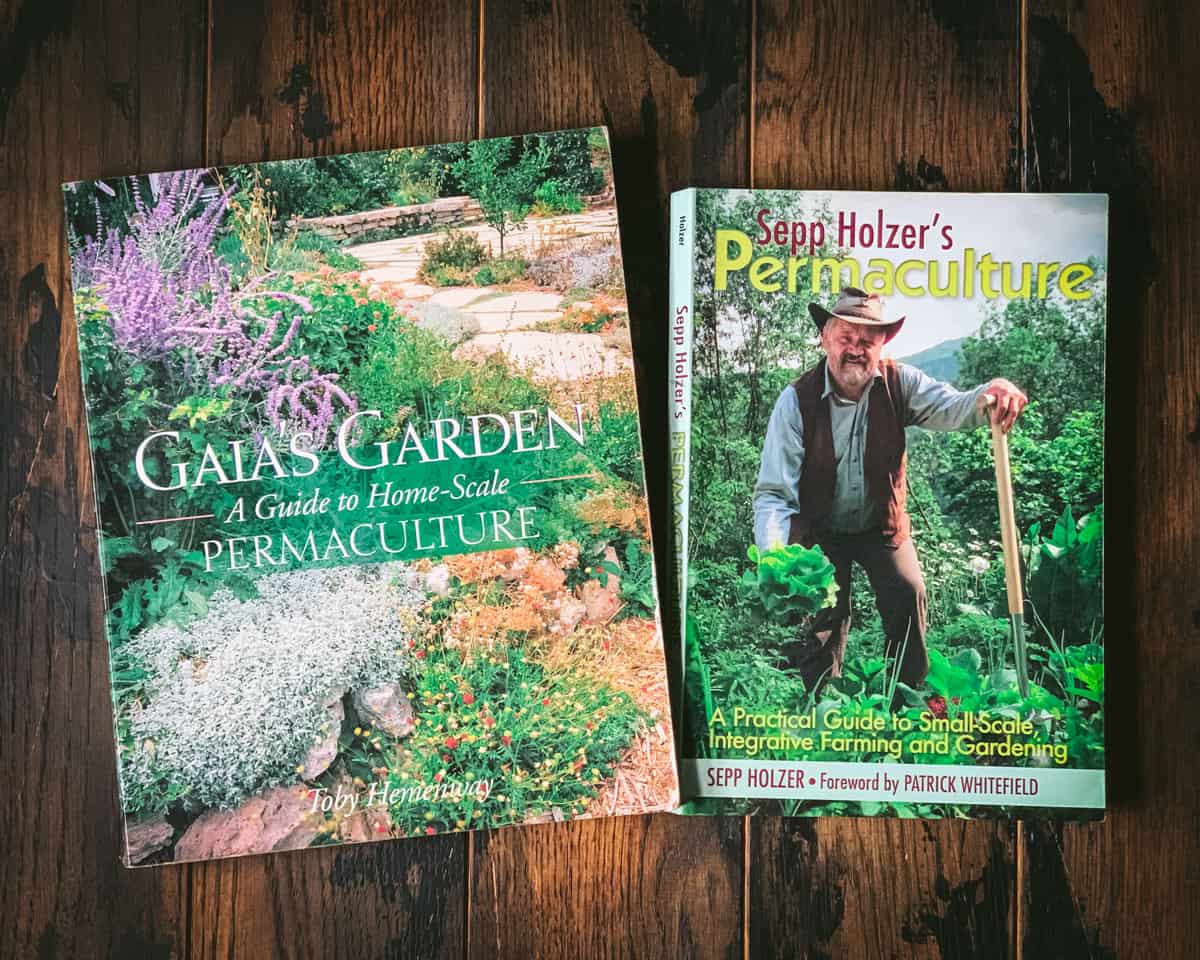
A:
(791, 581)
(500, 270)
(1064, 576)
(636, 578)
(451, 260)
(552, 197)
(543, 740)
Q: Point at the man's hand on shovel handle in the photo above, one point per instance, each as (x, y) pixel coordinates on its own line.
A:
(1006, 400)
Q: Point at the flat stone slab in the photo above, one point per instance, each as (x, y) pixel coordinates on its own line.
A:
(515, 311)
(549, 356)
(458, 297)
(393, 273)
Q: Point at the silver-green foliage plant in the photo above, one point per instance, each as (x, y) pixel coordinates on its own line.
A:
(235, 700)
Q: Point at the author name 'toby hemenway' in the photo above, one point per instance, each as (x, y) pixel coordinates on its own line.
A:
(326, 800)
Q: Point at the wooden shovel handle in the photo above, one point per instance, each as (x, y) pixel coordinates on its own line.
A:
(1008, 517)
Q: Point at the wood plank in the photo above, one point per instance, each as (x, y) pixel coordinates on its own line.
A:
(644, 887)
(298, 78)
(671, 82)
(400, 898)
(880, 96)
(881, 888)
(102, 89)
(876, 95)
(1105, 114)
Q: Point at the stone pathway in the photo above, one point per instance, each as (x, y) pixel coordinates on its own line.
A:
(397, 261)
(488, 319)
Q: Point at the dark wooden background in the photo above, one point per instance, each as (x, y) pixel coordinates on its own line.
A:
(1087, 95)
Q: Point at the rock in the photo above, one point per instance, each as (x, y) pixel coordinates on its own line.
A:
(570, 613)
(386, 708)
(602, 600)
(437, 580)
(514, 570)
(319, 758)
(144, 837)
(372, 823)
(277, 819)
(545, 575)
(600, 603)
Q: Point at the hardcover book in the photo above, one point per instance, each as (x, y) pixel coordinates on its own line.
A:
(887, 450)
(370, 500)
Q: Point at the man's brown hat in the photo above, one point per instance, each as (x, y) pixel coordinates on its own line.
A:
(857, 306)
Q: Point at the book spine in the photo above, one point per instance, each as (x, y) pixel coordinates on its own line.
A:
(682, 262)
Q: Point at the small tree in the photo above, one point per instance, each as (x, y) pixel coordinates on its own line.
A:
(503, 188)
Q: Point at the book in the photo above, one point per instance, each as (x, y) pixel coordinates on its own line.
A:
(370, 498)
(887, 454)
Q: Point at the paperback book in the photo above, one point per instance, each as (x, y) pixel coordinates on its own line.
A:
(887, 447)
(370, 497)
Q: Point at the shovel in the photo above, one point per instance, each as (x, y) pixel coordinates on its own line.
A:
(1012, 549)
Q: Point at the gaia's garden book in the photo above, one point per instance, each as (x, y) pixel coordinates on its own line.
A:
(369, 490)
(888, 447)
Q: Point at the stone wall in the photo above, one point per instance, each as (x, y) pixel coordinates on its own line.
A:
(414, 218)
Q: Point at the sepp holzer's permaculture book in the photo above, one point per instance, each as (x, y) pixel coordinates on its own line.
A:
(887, 443)
(370, 497)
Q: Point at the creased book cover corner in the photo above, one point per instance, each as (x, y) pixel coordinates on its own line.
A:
(887, 460)
(370, 492)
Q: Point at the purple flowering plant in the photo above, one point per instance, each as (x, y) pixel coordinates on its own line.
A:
(169, 298)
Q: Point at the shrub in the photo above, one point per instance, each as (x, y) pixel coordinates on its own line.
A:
(544, 740)
(595, 265)
(452, 256)
(552, 197)
(320, 186)
(500, 270)
(168, 299)
(236, 699)
(326, 249)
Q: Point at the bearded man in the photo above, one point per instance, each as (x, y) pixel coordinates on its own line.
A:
(833, 474)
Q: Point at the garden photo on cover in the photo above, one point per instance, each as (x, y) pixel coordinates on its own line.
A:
(845, 561)
(232, 323)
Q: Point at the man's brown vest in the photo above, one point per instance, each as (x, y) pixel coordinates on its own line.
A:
(884, 461)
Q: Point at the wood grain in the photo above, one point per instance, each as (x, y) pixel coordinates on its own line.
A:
(879, 95)
(883, 96)
(107, 89)
(1106, 114)
(623, 887)
(881, 888)
(395, 899)
(671, 82)
(300, 78)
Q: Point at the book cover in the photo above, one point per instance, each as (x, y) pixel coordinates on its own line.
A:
(370, 497)
(887, 450)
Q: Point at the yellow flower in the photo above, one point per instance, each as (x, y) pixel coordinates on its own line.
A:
(358, 731)
(428, 814)
(300, 768)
